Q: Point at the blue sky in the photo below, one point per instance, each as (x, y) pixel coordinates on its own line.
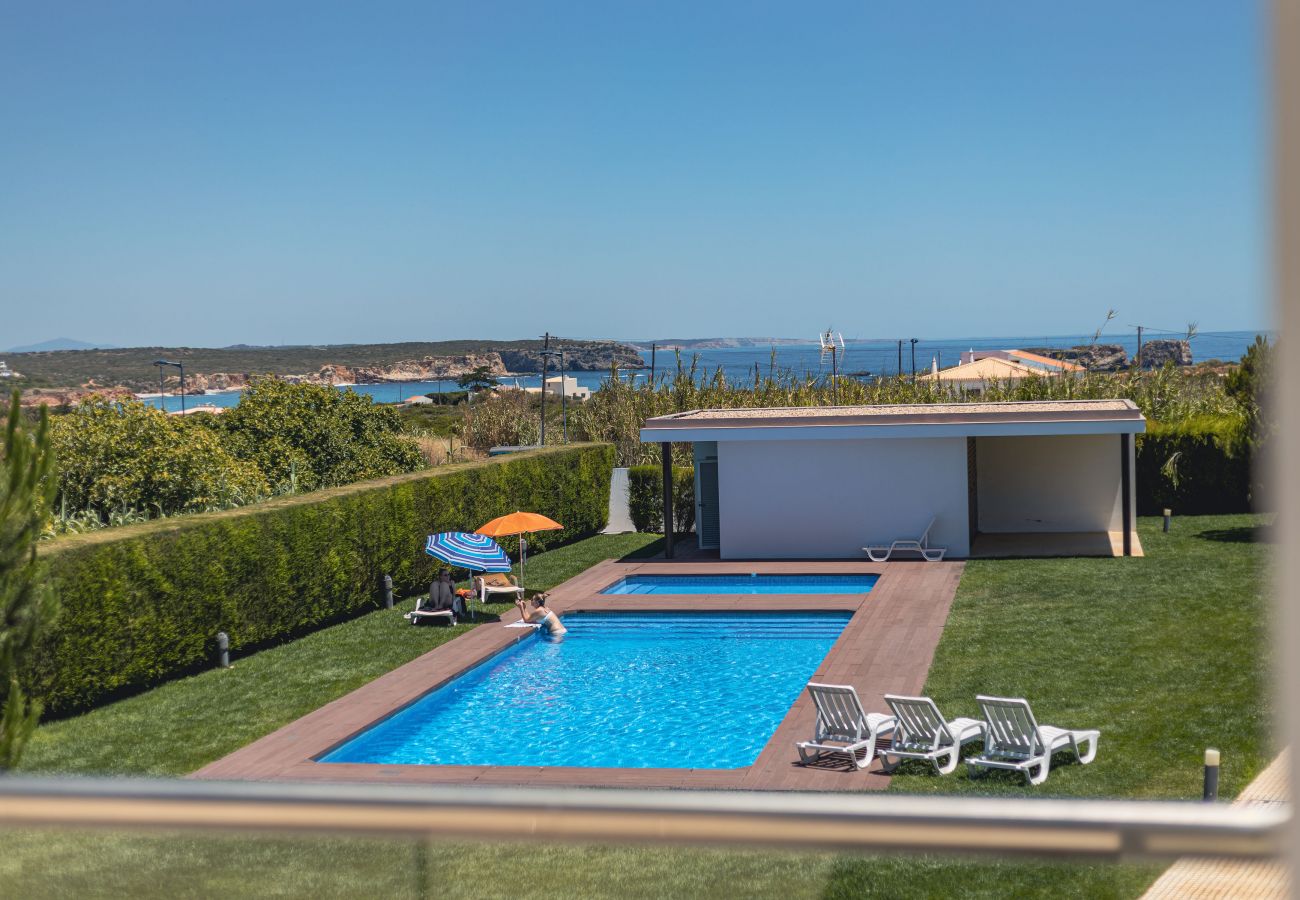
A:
(276, 172)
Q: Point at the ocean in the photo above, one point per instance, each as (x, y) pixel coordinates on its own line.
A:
(873, 357)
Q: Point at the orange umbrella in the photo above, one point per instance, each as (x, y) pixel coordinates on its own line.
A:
(519, 523)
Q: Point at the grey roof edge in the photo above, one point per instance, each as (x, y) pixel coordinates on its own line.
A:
(944, 414)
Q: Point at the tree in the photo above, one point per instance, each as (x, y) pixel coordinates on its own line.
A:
(124, 456)
(27, 606)
(477, 380)
(1247, 385)
(309, 436)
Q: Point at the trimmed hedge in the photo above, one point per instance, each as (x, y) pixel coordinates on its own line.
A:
(1213, 468)
(645, 488)
(142, 603)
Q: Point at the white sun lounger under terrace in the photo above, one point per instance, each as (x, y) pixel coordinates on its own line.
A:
(844, 728)
(1014, 740)
(919, 545)
(922, 732)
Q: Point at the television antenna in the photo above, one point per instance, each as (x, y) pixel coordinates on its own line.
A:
(832, 342)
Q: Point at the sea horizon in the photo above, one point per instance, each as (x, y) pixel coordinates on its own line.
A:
(872, 356)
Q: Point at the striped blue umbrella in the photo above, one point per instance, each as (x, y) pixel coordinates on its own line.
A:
(475, 552)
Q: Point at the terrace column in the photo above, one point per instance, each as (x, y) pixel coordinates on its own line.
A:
(666, 450)
(1126, 490)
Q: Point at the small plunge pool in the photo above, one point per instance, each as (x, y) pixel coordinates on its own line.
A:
(758, 583)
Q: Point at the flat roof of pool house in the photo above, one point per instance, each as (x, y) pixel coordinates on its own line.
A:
(901, 420)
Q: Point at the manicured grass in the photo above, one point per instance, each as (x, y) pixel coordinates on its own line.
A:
(1166, 655)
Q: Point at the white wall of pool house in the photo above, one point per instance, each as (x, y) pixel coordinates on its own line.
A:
(828, 499)
(1049, 483)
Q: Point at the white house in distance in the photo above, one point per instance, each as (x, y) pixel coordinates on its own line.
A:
(572, 389)
(978, 368)
(1043, 478)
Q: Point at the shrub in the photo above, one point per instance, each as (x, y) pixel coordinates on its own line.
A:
(144, 602)
(1197, 467)
(309, 436)
(645, 498)
(115, 457)
(448, 398)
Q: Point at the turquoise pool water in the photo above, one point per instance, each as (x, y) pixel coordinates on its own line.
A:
(742, 584)
(621, 690)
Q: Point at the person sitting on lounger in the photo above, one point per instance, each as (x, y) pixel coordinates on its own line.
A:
(538, 614)
(442, 595)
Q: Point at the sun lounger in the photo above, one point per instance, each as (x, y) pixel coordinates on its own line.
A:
(1015, 741)
(922, 732)
(843, 727)
(919, 545)
(440, 605)
(496, 583)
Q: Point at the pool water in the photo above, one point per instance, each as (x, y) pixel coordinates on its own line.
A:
(623, 690)
(742, 584)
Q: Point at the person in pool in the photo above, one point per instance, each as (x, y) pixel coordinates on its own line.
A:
(538, 614)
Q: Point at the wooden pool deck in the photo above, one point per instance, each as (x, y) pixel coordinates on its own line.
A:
(886, 647)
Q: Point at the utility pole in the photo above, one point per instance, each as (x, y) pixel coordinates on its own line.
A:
(652, 364)
(914, 359)
(835, 378)
(1139, 353)
(564, 398)
(546, 351)
(900, 357)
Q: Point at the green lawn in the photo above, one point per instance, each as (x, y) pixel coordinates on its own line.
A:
(1166, 655)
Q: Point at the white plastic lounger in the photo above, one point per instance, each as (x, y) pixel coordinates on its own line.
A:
(494, 583)
(923, 733)
(1014, 741)
(919, 545)
(843, 727)
(424, 615)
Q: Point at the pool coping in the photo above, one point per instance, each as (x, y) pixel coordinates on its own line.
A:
(886, 647)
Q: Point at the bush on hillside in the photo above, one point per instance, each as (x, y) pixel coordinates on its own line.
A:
(308, 436)
(145, 602)
(115, 457)
(448, 398)
(645, 498)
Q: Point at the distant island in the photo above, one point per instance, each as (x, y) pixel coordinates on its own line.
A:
(59, 343)
(717, 343)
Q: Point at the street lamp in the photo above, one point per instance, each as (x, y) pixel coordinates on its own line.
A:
(914, 340)
(547, 355)
(179, 365)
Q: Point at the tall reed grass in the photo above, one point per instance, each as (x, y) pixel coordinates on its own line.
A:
(616, 412)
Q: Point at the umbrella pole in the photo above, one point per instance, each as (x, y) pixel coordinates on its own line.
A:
(523, 558)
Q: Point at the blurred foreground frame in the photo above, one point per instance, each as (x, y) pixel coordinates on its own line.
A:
(865, 823)
(1078, 829)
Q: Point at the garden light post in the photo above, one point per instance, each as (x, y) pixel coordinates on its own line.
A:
(1211, 791)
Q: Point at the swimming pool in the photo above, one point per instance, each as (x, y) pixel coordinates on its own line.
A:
(742, 584)
(621, 690)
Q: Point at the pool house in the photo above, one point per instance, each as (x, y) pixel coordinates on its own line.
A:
(1042, 478)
